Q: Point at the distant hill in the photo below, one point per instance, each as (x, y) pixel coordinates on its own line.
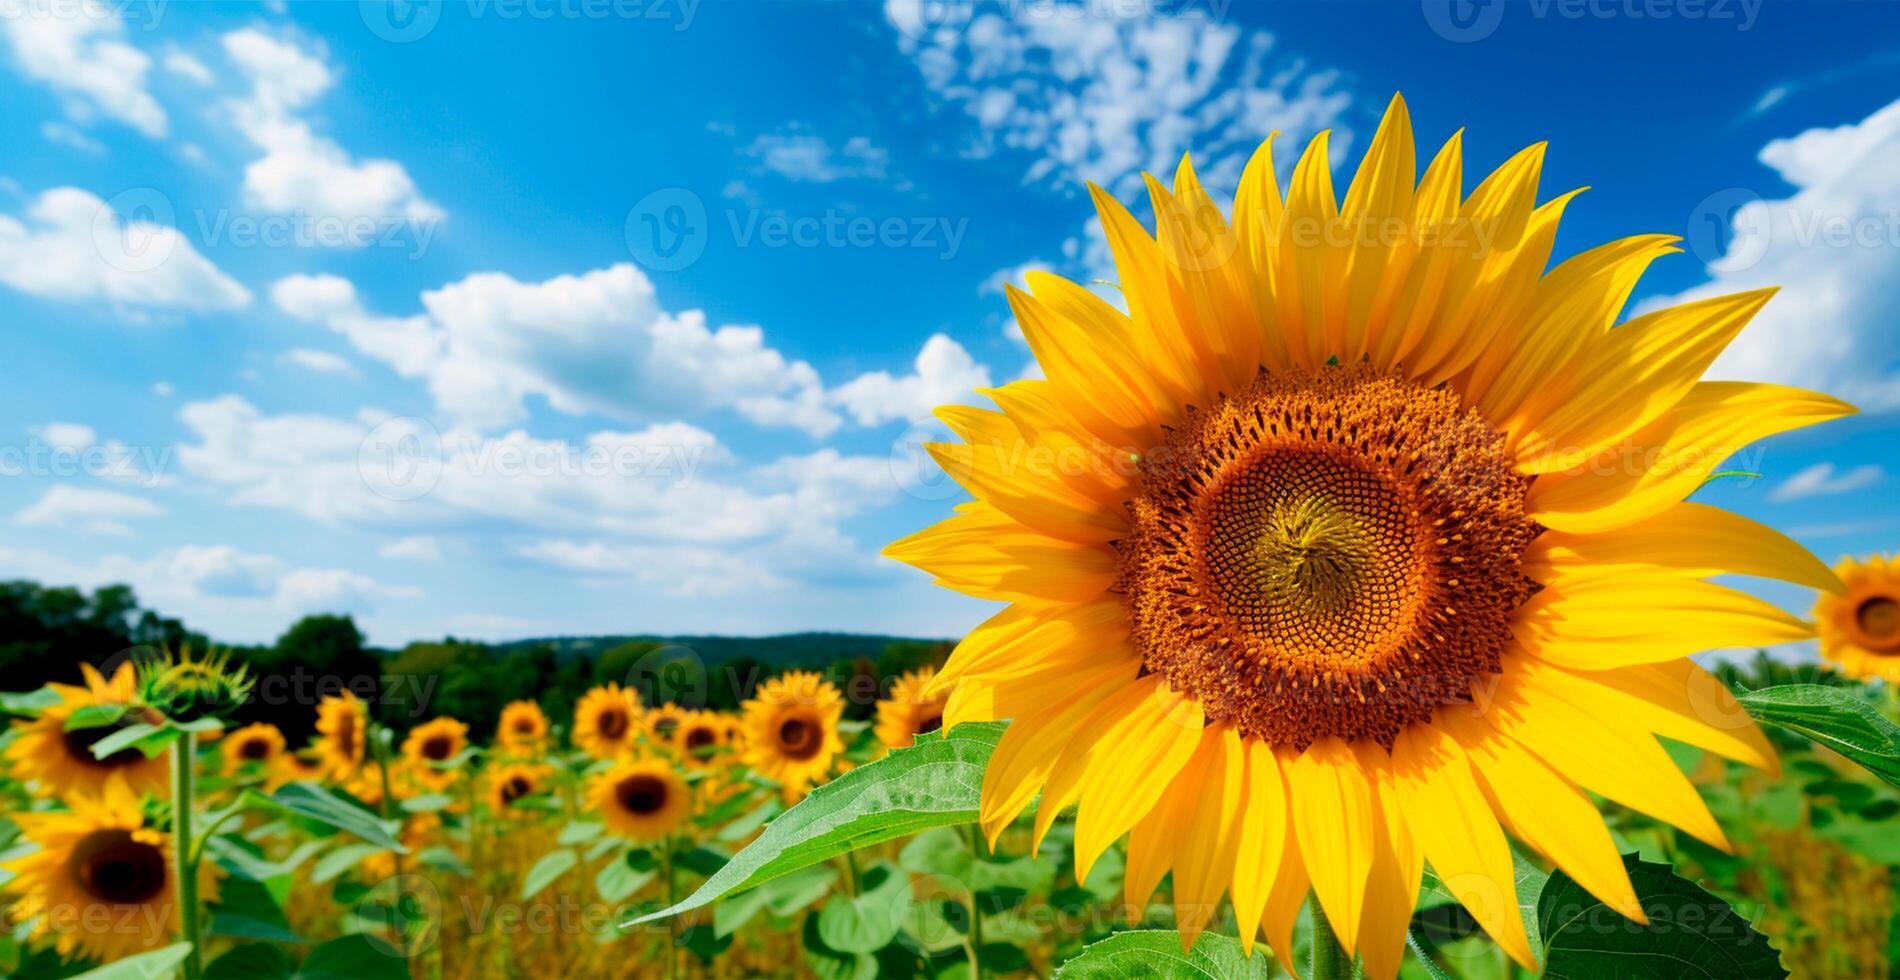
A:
(787, 650)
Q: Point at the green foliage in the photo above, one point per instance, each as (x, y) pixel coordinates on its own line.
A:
(46, 631)
(931, 784)
(157, 964)
(1839, 718)
(1691, 933)
(1146, 953)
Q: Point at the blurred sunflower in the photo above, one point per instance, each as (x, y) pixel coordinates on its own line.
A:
(299, 766)
(342, 733)
(431, 743)
(95, 863)
(701, 736)
(663, 723)
(606, 721)
(1860, 628)
(417, 828)
(791, 730)
(910, 711)
(254, 746)
(1334, 468)
(523, 729)
(641, 799)
(61, 760)
(512, 782)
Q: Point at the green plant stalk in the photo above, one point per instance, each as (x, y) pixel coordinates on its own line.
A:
(973, 948)
(1329, 961)
(672, 898)
(184, 857)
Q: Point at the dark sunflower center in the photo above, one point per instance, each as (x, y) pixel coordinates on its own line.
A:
(438, 748)
(524, 726)
(1327, 554)
(254, 750)
(799, 739)
(79, 743)
(345, 739)
(114, 867)
(515, 788)
(699, 738)
(612, 723)
(1878, 619)
(667, 725)
(930, 723)
(642, 794)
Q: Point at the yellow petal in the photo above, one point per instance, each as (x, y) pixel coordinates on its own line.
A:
(1675, 699)
(1290, 883)
(1398, 866)
(1406, 305)
(1545, 811)
(1259, 219)
(1136, 742)
(1084, 349)
(1211, 797)
(1668, 459)
(1630, 376)
(1263, 838)
(984, 553)
(1378, 214)
(1454, 826)
(1332, 818)
(1029, 749)
(1150, 853)
(1309, 262)
(1693, 538)
(1598, 619)
(1144, 283)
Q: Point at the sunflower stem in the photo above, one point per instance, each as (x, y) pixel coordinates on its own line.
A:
(183, 857)
(975, 945)
(1330, 961)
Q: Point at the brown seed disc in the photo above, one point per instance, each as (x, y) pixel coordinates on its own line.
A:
(1331, 553)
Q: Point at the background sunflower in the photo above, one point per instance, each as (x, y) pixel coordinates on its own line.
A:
(791, 730)
(607, 721)
(641, 799)
(59, 761)
(1860, 627)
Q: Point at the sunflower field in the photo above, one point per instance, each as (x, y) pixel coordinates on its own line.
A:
(1349, 590)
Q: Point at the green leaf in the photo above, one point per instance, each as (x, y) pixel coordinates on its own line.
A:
(95, 716)
(248, 909)
(1691, 933)
(618, 879)
(314, 803)
(151, 740)
(443, 859)
(934, 783)
(145, 966)
(356, 957)
(1836, 717)
(342, 859)
(752, 821)
(1157, 953)
(579, 832)
(250, 961)
(867, 922)
(1529, 880)
(551, 866)
(28, 704)
(426, 804)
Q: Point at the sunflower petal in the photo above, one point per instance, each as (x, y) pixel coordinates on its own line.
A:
(1688, 537)
(1598, 619)
(1263, 838)
(1332, 818)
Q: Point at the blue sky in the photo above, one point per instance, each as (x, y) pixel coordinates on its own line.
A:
(520, 317)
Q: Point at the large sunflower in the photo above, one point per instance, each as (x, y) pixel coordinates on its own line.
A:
(342, 733)
(253, 747)
(911, 710)
(1860, 629)
(606, 721)
(435, 741)
(1359, 539)
(523, 729)
(100, 883)
(641, 799)
(791, 730)
(60, 761)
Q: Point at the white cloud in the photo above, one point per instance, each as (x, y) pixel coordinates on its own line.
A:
(302, 172)
(943, 372)
(596, 342)
(78, 48)
(1833, 247)
(68, 449)
(86, 508)
(185, 66)
(419, 547)
(804, 156)
(212, 581)
(1098, 92)
(65, 134)
(1820, 480)
(70, 245)
(320, 361)
(690, 572)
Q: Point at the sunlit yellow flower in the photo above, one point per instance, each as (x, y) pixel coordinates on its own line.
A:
(342, 733)
(511, 782)
(303, 765)
(791, 730)
(100, 884)
(606, 721)
(641, 799)
(1860, 628)
(911, 710)
(702, 738)
(663, 723)
(61, 763)
(435, 741)
(523, 729)
(1356, 539)
(253, 747)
